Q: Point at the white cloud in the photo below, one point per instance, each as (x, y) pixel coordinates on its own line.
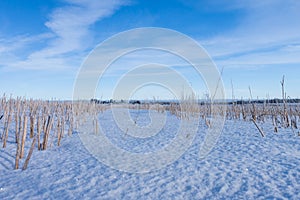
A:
(69, 28)
(268, 27)
(71, 23)
(19, 42)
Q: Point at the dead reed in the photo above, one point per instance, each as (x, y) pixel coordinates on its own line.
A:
(42, 120)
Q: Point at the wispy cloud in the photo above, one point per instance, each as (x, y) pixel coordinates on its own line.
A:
(9, 45)
(68, 38)
(71, 23)
(267, 34)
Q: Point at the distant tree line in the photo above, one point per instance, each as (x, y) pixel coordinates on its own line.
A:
(271, 101)
(229, 102)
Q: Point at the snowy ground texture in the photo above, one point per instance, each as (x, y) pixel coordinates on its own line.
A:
(243, 165)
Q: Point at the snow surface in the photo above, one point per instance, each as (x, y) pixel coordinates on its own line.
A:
(242, 165)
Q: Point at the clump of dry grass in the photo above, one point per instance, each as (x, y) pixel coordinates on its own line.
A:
(44, 121)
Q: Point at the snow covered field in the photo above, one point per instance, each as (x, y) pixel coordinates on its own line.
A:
(242, 165)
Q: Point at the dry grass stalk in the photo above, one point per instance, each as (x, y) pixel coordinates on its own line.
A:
(17, 112)
(38, 125)
(274, 120)
(44, 123)
(18, 144)
(70, 130)
(59, 134)
(259, 129)
(62, 126)
(23, 136)
(46, 134)
(285, 113)
(29, 154)
(294, 122)
(31, 126)
(253, 110)
(7, 127)
(243, 112)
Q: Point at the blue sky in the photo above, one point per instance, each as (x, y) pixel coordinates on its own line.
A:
(44, 43)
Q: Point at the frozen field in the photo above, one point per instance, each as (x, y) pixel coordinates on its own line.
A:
(242, 165)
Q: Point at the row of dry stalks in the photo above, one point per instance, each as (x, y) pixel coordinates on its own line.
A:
(45, 123)
(281, 115)
(41, 123)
